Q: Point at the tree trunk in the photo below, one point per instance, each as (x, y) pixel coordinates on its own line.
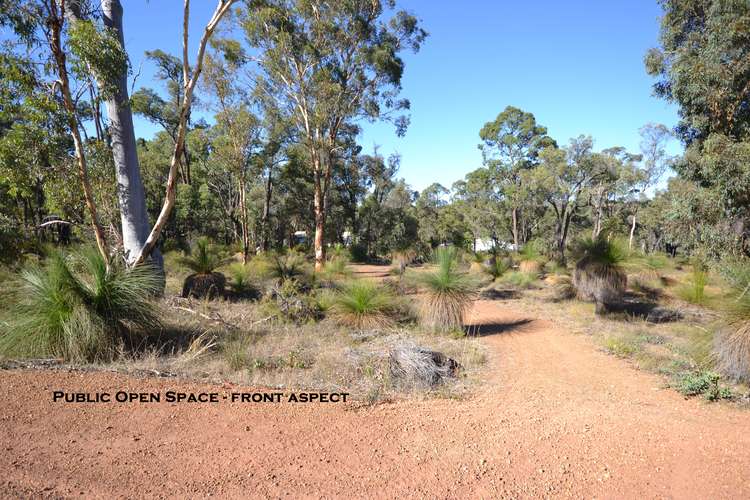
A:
(632, 232)
(243, 220)
(267, 210)
(56, 24)
(514, 214)
(130, 191)
(320, 251)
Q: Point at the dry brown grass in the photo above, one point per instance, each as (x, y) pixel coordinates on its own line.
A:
(530, 267)
(234, 341)
(732, 348)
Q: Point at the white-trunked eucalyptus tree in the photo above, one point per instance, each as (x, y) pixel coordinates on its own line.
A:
(329, 64)
(190, 79)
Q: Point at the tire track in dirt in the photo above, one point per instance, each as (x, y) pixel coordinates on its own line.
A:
(555, 418)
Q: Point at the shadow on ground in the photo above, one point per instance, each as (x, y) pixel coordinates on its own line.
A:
(496, 328)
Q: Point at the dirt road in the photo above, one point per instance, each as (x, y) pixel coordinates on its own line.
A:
(556, 418)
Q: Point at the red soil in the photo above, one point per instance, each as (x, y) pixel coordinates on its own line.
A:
(555, 418)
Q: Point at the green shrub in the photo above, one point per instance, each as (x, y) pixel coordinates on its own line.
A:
(287, 266)
(358, 252)
(694, 290)
(497, 268)
(703, 383)
(242, 280)
(362, 304)
(520, 279)
(77, 308)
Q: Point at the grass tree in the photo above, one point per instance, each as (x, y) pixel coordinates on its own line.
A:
(205, 281)
(80, 308)
(448, 292)
(362, 304)
(598, 273)
(732, 343)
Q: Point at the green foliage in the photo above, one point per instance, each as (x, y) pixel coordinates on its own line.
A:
(732, 343)
(449, 292)
(497, 267)
(702, 383)
(243, 279)
(288, 266)
(362, 304)
(694, 290)
(77, 308)
(204, 257)
(98, 50)
(520, 279)
(601, 251)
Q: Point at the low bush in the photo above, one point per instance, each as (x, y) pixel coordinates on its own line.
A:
(702, 383)
(362, 304)
(77, 308)
(694, 290)
(243, 280)
(520, 279)
(288, 266)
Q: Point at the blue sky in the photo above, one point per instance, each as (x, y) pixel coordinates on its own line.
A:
(576, 64)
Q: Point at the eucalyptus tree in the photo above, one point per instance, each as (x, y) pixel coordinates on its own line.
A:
(111, 79)
(190, 79)
(238, 130)
(330, 63)
(655, 161)
(564, 175)
(703, 66)
(510, 147)
(482, 203)
(70, 51)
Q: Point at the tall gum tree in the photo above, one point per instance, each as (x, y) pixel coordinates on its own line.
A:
(329, 63)
(114, 87)
(190, 79)
(510, 147)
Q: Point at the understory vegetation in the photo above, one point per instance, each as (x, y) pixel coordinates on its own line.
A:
(222, 247)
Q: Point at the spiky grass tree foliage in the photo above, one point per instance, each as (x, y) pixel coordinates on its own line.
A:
(287, 266)
(77, 308)
(448, 292)
(598, 275)
(242, 280)
(363, 305)
(732, 343)
(203, 260)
